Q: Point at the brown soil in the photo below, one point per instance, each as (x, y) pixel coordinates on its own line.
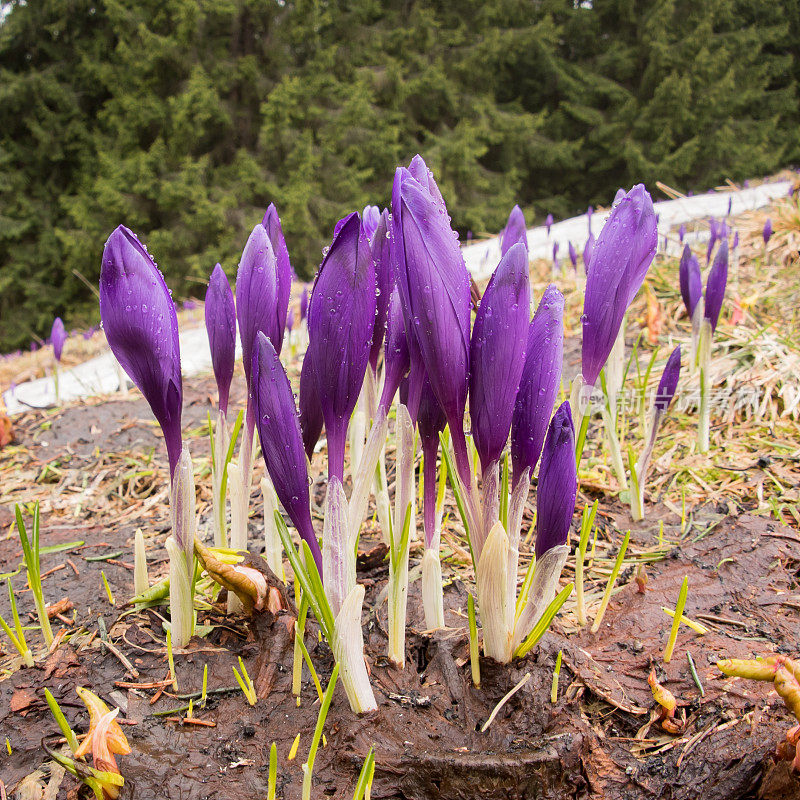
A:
(426, 732)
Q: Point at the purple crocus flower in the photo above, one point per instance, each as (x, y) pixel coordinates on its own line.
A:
(141, 327)
(573, 255)
(304, 304)
(588, 250)
(221, 328)
(290, 319)
(558, 483)
(555, 256)
(714, 232)
(281, 442)
(682, 232)
(618, 196)
(257, 296)
(548, 223)
(623, 253)
(690, 281)
(669, 381)
(58, 336)
(272, 223)
(424, 177)
(735, 240)
(730, 206)
(539, 384)
(384, 278)
(395, 352)
(311, 420)
(435, 294)
(497, 353)
(715, 285)
(766, 233)
(370, 218)
(341, 321)
(515, 231)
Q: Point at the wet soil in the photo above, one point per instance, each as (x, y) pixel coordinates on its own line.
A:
(595, 741)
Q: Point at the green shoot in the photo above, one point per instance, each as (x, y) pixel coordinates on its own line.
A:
(676, 621)
(455, 482)
(581, 439)
(204, 690)
(17, 636)
(293, 748)
(171, 662)
(229, 455)
(308, 767)
(526, 587)
(299, 630)
(364, 784)
(587, 521)
(109, 593)
(30, 550)
(612, 579)
(695, 676)
(474, 655)
(504, 494)
(307, 658)
(272, 780)
(556, 673)
(540, 628)
(67, 732)
(243, 679)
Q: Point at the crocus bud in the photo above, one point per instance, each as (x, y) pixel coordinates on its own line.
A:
(767, 231)
(548, 223)
(682, 232)
(142, 330)
(558, 483)
(311, 420)
(304, 304)
(715, 285)
(735, 240)
(341, 321)
(384, 279)
(618, 196)
(690, 281)
(434, 290)
(623, 253)
(57, 337)
(714, 232)
(539, 384)
(669, 382)
(272, 224)
(289, 320)
(221, 328)
(281, 441)
(588, 250)
(370, 218)
(497, 353)
(395, 352)
(420, 172)
(515, 231)
(573, 255)
(257, 296)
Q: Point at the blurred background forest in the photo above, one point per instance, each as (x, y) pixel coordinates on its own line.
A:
(183, 119)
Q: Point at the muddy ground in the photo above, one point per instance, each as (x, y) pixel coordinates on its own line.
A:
(600, 738)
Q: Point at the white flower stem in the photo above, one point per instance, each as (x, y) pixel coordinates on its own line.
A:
(704, 362)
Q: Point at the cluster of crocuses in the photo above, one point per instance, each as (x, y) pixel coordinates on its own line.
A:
(390, 310)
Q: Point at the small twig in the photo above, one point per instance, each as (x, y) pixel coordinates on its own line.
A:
(122, 658)
(695, 676)
(504, 700)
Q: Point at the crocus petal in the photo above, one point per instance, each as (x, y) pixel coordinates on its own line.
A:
(341, 321)
(715, 285)
(311, 420)
(272, 223)
(690, 280)
(573, 255)
(384, 278)
(420, 172)
(539, 384)
(281, 441)
(370, 218)
(221, 328)
(623, 253)
(497, 353)
(141, 327)
(558, 483)
(57, 337)
(767, 232)
(304, 304)
(682, 232)
(669, 381)
(290, 320)
(257, 296)
(434, 289)
(395, 352)
(515, 231)
(588, 250)
(548, 223)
